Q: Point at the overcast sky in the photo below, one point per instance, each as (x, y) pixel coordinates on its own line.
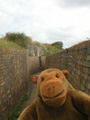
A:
(47, 21)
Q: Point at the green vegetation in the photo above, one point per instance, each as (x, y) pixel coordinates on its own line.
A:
(19, 38)
(37, 43)
(30, 55)
(20, 41)
(53, 48)
(9, 44)
(16, 112)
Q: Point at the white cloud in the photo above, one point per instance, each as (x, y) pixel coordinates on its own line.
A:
(47, 21)
(73, 3)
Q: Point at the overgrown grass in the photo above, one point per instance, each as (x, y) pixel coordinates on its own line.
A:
(16, 113)
(19, 38)
(9, 44)
(20, 41)
(52, 50)
(31, 55)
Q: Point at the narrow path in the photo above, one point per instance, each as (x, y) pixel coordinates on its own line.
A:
(32, 93)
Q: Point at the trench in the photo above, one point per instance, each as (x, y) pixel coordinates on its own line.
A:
(31, 93)
(32, 90)
(16, 71)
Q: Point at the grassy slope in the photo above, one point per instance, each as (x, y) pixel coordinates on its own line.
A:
(51, 49)
(9, 44)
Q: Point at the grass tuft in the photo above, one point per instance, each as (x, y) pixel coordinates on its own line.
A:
(16, 113)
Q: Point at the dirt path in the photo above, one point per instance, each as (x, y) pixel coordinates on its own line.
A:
(32, 93)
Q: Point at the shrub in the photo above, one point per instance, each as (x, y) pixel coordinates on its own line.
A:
(19, 38)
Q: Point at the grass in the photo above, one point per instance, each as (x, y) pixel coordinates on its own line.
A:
(31, 55)
(16, 113)
(20, 41)
(9, 44)
(19, 38)
(52, 50)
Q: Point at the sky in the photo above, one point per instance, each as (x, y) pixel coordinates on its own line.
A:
(47, 21)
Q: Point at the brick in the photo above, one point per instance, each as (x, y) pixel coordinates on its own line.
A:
(81, 53)
(88, 86)
(15, 70)
(88, 57)
(12, 72)
(3, 83)
(85, 76)
(82, 87)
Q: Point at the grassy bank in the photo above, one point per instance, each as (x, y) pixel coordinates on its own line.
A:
(9, 44)
(20, 41)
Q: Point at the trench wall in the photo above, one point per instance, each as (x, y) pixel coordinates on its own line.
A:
(36, 64)
(15, 70)
(77, 61)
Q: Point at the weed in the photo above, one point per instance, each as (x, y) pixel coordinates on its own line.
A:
(16, 113)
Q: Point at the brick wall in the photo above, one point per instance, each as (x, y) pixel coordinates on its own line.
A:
(13, 79)
(77, 61)
(15, 70)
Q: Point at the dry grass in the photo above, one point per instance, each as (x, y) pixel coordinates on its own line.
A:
(9, 44)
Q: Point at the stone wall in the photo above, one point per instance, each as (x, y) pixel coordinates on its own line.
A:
(77, 61)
